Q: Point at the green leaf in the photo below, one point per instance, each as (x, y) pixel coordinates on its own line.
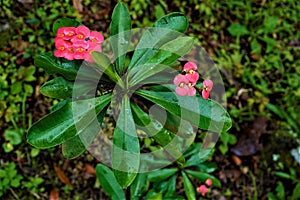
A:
(226, 139)
(29, 74)
(204, 176)
(161, 174)
(152, 195)
(54, 65)
(57, 88)
(15, 183)
(159, 11)
(66, 122)
(105, 65)
(296, 193)
(171, 188)
(237, 30)
(64, 22)
(175, 21)
(14, 136)
(109, 183)
(280, 191)
(165, 29)
(188, 187)
(126, 149)
(205, 114)
(139, 186)
(155, 129)
(283, 175)
(62, 89)
(162, 59)
(199, 157)
(75, 146)
(177, 126)
(120, 34)
(16, 88)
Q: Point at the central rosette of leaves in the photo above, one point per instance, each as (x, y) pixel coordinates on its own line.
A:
(130, 89)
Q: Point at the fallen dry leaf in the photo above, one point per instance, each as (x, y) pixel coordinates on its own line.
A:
(90, 169)
(62, 176)
(236, 160)
(54, 195)
(78, 5)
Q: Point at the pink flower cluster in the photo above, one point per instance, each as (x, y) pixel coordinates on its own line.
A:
(185, 83)
(202, 189)
(77, 43)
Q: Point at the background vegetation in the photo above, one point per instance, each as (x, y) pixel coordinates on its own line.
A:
(255, 45)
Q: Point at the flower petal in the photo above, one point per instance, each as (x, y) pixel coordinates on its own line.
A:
(82, 32)
(182, 91)
(189, 66)
(208, 182)
(208, 84)
(69, 32)
(193, 78)
(191, 91)
(96, 37)
(202, 189)
(180, 79)
(205, 94)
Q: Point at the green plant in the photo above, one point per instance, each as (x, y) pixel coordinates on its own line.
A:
(34, 184)
(163, 183)
(15, 87)
(131, 91)
(9, 177)
(280, 189)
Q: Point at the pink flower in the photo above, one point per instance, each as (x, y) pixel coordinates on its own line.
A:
(62, 47)
(181, 82)
(69, 32)
(207, 87)
(202, 189)
(80, 43)
(79, 53)
(192, 77)
(70, 54)
(96, 37)
(82, 32)
(189, 66)
(184, 87)
(60, 33)
(92, 47)
(191, 74)
(208, 182)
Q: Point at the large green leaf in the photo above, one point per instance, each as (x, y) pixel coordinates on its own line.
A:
(120, 34)
(164, 30)
(204, 176)
(109, 183)
(155, 129)
(75, 146)
(205, 114)
(63, 89)
(161, 174)
(65, 123)
(139, 186)
(162, 59)
(64, 22)
(54, 65)
(188, 187)
(126, 149)
(105, 65)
